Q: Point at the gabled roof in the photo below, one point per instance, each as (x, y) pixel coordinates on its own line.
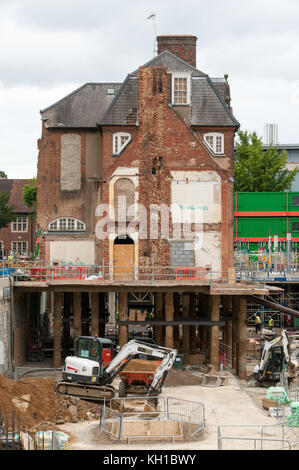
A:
(208, 105)
(14, 187)
(82, 108)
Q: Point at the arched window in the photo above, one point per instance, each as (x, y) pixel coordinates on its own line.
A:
(66, 224)
(120, 141)
(124, 197)
(215, 141)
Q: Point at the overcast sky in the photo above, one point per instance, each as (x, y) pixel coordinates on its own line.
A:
(48, 49)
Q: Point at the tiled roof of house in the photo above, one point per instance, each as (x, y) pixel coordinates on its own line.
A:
(92, 105)
(15, 189)
(82, 108)
(208, 97)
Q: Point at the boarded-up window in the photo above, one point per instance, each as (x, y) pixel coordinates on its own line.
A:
(70, 178)
(124, 197)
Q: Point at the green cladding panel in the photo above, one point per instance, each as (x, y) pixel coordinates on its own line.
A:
(261, 202)
(262, 227)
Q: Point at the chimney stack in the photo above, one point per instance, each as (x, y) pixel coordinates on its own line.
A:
(181, 46)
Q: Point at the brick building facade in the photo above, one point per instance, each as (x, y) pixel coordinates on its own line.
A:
(163, 136)
(18, 238)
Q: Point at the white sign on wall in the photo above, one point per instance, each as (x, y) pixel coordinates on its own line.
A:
(197, 202)
(72, 251)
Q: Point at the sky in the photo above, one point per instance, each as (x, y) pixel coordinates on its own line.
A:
(48, 49)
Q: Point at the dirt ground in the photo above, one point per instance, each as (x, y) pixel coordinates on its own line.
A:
(231, 404)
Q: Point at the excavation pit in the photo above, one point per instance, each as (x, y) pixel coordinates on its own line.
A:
(170, 419)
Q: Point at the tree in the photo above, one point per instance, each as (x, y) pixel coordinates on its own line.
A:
(29, 196)
(6, 210)
(3, 175)
(258, 169)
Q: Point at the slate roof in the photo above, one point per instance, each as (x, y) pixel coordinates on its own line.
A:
(82, 108)
(91, 105)
(15, 189)
(124, 104)
(208, 97)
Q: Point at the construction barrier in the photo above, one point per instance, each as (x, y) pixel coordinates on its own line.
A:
(172, 419)
(190, 274)
(256, 437)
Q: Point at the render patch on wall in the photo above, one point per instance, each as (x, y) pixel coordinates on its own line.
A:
(73, 252)
(196, 197)
(70, 176)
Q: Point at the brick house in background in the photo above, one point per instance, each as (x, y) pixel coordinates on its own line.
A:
(163, 136)
(18, 238)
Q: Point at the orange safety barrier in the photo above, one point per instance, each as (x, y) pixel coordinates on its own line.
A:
(190, 274)
(68, 272)
(38, 274)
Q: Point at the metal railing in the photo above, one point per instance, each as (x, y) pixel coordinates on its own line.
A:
(190, 417)
(255, 437)
(147, 274)
(10, 430)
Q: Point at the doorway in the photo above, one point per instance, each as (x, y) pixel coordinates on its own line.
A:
(123, 258)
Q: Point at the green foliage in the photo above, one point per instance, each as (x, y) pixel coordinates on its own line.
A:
(3, 175)
(6, 210)
(29, 197)
(258, 169)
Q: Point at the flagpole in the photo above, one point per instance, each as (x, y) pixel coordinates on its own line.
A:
(153, 17)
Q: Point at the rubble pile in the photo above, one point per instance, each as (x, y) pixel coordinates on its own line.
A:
(39, 405)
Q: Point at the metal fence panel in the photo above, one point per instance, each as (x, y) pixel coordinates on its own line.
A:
(255, 437)
(189, 415)
(9, 431)
(110, 422)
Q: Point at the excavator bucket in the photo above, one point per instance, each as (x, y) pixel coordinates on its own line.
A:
(206, 380)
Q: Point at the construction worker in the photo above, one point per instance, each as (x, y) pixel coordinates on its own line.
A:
(258, 323)
(271, 323)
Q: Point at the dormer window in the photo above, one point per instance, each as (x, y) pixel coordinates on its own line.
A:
(120, 141)
(66, 224)
(181, 89)
(215, 141)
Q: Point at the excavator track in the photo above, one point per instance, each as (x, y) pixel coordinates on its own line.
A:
(89, 392)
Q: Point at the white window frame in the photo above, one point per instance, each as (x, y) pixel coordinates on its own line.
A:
(21, 243)
(188, 77)
(117, 147)
(66, 224)
(213, 147)
(22, 222)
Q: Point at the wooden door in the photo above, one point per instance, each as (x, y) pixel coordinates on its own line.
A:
(123, 261)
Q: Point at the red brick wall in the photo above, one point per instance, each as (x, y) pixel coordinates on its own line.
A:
(181, 46)
(163, 133)
(53, 203)
(7, 237)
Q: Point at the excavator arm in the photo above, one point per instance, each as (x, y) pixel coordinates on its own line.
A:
(260, 369)
(134, 348)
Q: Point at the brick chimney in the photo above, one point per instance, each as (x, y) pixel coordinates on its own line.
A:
(181, 46)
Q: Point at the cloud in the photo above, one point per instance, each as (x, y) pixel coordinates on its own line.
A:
(20, 126)
(48, 49)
